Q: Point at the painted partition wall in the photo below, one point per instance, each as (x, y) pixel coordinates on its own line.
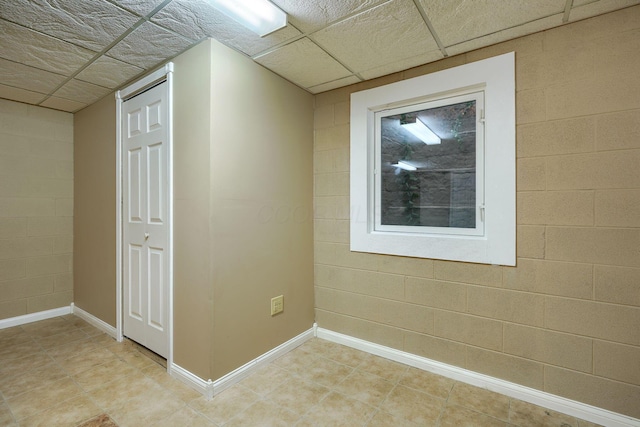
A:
(94, 226)
(261, 198)
(243, 233)
(565, 319)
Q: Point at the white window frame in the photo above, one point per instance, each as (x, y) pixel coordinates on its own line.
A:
(497, 244)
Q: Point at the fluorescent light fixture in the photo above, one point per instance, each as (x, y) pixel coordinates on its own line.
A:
(260, 16)
(405, 166)
(422, 131)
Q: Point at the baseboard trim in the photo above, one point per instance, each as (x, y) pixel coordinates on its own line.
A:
(211, 388)
(34, 317)
(94, 321)
(537, 397)
(192, 380)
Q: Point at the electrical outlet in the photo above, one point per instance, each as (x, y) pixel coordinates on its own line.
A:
(277, 305)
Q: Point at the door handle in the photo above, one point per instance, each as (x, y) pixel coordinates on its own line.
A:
(146, 236)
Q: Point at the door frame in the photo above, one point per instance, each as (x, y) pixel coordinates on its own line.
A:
(164, 74)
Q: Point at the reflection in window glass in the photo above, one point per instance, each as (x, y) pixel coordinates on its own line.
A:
(427, 165)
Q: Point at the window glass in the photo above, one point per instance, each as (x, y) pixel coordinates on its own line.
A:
(428, 159)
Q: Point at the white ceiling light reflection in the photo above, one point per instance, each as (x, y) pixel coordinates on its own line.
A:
(404, 166)
(422, 132)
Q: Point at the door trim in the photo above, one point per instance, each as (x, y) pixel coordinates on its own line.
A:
(159, 76)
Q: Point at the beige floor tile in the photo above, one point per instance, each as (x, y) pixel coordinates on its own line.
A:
(385, 368)
(296, 361)
(12, 336)
(336, 352)
(90, 359)
(146, 408)
(298, 395)
(326, 372)
(339, 410)
(524, 414)
(457, 416)
(116, 393)
(9, 368)
(102, 420)
(413, 405)
(103, 339)
(435, 385)
(480, 400)
(6, 418)
(159, 374)
(98, 376)
(264, 414)
(130, 355)
(368, 388)
(384, 419)
(68, 413)
(61, 339)
(185, 417)
(19, 350)
(11, 332)
(41, 398)
(43, 375)
(583, 423)
(266, 379)
(49, 327)
(72, 349)
(225, 405)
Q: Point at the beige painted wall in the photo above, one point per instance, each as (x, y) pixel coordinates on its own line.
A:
(36, 209)
(193, 316)
(261, 208)
(566, 319)
(94, 224)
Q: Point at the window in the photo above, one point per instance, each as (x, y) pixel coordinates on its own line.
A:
(433, 165)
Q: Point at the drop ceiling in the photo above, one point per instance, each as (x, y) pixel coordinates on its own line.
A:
(67, 54)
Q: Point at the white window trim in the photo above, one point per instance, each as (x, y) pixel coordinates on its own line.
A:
(497, 246)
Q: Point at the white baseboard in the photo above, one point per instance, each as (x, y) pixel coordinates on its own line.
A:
(211, 388)
(537, 397)
(34, 317)
(191, 380)
(94, 321)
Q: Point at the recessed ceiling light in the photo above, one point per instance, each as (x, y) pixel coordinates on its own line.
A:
(260, 16)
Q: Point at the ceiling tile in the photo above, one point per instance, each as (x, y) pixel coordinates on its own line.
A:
(140, 7)
(148, 45)
(30, 78)
(109, 72)
(402, 64)
(310, 16)
(84, 92)
(23, 45)
(459, 21)
(386, 34)
(594, 8)
(303, 63)
(197, 19)
(334, 84)
(20, 95)
(508, 34)
(63, 104)
(91, 24)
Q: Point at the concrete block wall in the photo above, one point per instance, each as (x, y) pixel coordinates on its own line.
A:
(566, 319)
(36, 209)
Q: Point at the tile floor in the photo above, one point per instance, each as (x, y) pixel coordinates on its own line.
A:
(64, 372)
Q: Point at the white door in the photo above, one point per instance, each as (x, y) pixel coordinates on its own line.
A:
(145, 187)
